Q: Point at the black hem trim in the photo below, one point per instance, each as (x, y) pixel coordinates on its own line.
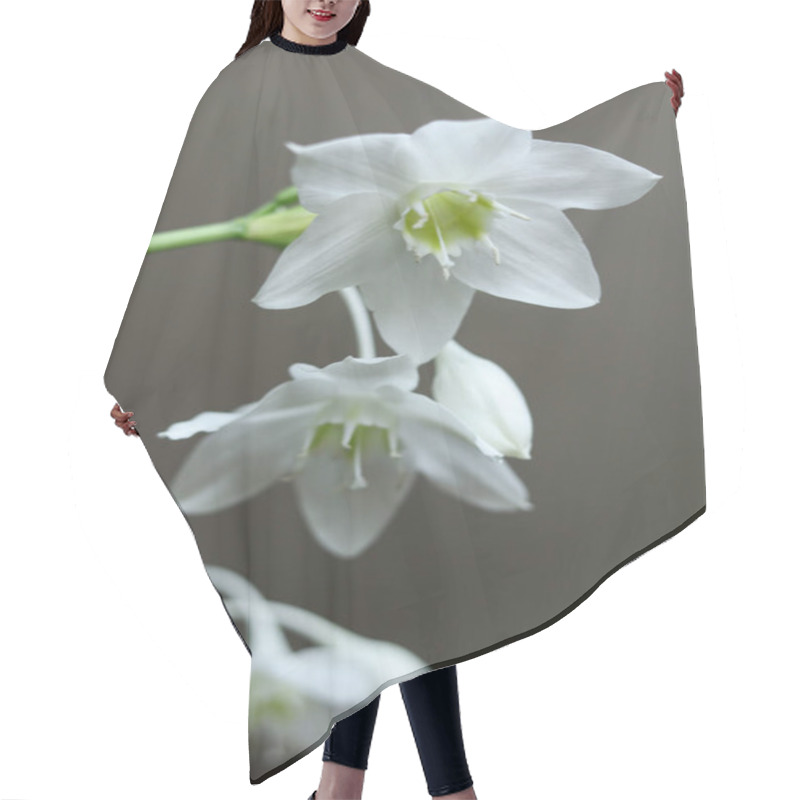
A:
(452, 788)
(495, 646)
(310, 49)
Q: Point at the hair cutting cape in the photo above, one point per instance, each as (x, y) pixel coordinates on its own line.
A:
(419, 381)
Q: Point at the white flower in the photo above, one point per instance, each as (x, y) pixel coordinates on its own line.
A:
(421, 221)
(351, 436)
(294, 693)
(484, 396)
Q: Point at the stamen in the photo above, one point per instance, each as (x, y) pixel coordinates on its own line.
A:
(347, 431)
(419, 207)
(359, 482)
(393, 440)
(443, 256)
(492, 246)
(448, 220)
(510, 211)
(303, 454)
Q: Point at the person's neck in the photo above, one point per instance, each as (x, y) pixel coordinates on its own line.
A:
(294, 34)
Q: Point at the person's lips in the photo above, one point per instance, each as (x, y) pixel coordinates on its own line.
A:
(323, 15)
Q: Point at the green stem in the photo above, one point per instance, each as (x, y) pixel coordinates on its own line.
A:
(200, 234)
(361, 321)
(219, 231)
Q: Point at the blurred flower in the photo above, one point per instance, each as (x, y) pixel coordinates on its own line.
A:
(351, 437)
(295, 693)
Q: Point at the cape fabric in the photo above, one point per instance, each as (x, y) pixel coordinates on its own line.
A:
(429, 406)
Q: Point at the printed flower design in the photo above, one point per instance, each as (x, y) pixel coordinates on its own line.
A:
(485, 397)
(351, 437)
(294, 693)
(485, 200)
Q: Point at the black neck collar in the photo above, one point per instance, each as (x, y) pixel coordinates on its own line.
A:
(311, 49)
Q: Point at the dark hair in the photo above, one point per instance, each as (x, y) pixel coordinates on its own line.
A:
(266, 18)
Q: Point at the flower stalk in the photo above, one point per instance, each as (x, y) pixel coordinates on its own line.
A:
(278, 222)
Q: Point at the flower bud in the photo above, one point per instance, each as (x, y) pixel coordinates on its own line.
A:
(485, 397)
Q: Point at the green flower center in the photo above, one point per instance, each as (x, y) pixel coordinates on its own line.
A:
(353, 443)
(441, 223)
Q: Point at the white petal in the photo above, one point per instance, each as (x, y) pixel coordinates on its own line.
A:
(416, 309)
(204, 422)
(345, 520)
(543, 261)
(569, 175)
(462, 152)
(457, 467)
(300, 370)
(246, 456)
(344, 245)
(422, 409)
(358, 375)
(335, 677)
(336, 168)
